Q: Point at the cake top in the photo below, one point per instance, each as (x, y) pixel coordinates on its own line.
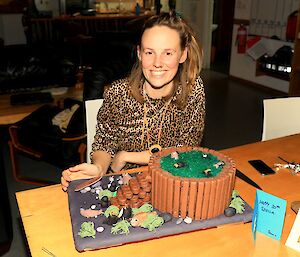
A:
(192, 164)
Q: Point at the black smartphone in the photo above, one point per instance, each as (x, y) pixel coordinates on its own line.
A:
(262, 167)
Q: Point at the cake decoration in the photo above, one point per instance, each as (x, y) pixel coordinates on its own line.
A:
(87, 230)
(125, 213)
(150, 220)
(229, 211)
(100, 229)
(179, 221)
(111, 220)
(89, 213)
(188, 220)
(179, 164)
(192, 164)
(136, 206)
(121, 227)
(111, 210)
(237, 202)
(175, 155)
(167, 217)
(200, 189)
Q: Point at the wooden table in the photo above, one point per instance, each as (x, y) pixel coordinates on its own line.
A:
(47, 224)
(10, 114)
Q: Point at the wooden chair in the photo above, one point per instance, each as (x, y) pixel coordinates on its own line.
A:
(6, 234)
(281, 117)
(16, 147)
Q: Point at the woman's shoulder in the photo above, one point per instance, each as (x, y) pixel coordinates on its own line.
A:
(198, 82)
(117, 87)
(120, 84)
(198, 87)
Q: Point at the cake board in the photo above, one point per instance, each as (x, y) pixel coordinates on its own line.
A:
(106, 239)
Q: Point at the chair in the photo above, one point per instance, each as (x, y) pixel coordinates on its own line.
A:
(6, 234)
(281, 117)
(91, 109)
(57, 149)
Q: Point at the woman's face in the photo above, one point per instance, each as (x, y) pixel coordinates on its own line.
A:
(160, 55)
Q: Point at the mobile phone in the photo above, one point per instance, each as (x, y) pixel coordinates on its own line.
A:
(262, 167)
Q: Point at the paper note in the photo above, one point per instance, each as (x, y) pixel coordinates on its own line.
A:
(293, 240)
(268, 215)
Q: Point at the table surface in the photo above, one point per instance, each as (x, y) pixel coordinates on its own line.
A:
(10, 114)
(45, 215)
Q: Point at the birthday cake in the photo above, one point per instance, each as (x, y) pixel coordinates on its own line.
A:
(191, 182)
(184, 189)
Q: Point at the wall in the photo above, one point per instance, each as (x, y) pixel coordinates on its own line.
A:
(199, 14)
(11, 29)
(243, 66)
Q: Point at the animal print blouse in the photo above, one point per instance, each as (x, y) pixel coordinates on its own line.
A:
(121, 121)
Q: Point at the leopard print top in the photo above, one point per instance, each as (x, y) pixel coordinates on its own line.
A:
(121, 120)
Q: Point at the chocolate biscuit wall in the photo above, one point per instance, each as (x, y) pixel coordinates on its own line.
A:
(198, 199)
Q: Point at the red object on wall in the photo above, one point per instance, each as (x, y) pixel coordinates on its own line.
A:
(241, 39)
(291, 26)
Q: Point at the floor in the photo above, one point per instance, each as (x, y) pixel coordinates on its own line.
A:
(234, 117)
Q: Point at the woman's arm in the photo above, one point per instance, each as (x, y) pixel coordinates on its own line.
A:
(122, 157)
(102, 160)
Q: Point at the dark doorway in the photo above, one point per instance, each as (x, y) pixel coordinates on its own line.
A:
(223, 15)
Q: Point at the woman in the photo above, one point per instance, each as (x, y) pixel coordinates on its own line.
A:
(161, 104)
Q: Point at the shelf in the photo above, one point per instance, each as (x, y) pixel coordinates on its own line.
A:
(271, 73)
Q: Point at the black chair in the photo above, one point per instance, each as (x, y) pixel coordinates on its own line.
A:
(36, 137)
(6, 231)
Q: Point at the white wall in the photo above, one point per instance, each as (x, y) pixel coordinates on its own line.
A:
(11, 29)
(199, 14)
(48, 5)
(243, 66)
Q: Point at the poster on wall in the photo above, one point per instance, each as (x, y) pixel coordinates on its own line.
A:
(269, 18)
(12, 6)
(242, 9)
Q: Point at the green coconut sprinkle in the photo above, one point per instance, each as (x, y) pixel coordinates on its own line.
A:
(195, 163)
(237, 202)
(121, 227)
(144, 208)
(87, 230)
(152, 222)
(111, 210)
(105, 192)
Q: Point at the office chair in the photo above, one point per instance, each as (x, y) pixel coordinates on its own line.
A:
(91, 109)
(281, 117)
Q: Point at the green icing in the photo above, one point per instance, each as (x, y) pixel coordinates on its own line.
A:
(87, 229)
(196, 162)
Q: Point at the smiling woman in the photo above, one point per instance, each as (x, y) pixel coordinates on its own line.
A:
(161, 104)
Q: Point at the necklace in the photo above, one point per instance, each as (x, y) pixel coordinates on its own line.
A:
(152, 132)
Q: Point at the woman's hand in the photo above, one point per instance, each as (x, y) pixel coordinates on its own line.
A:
(119, 161)
(80, 171)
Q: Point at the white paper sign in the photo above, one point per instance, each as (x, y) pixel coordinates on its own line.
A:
(293, 240)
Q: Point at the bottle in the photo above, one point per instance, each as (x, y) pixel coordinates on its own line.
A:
(137, 9)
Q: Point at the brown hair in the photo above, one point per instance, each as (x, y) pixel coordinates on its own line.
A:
(187, 72)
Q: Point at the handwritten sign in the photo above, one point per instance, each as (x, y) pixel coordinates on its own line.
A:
(268, 215)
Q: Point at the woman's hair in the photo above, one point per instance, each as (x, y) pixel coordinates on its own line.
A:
(187, 72)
